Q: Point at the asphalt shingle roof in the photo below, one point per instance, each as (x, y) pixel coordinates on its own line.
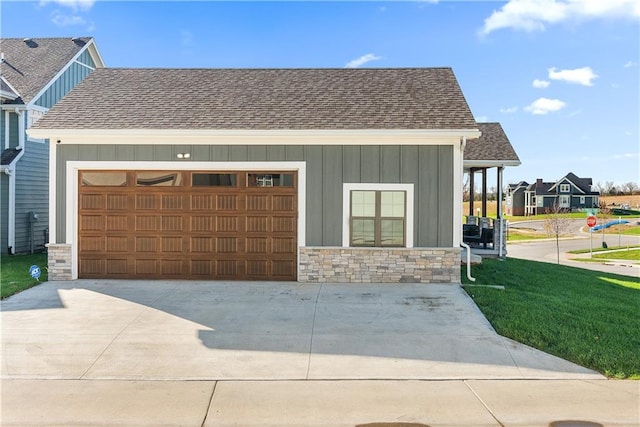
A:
(269, 99)
(492, 145)
(7, 156)
(30, 65)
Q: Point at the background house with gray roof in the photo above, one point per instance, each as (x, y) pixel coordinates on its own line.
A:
(315, 175)
(35, 73)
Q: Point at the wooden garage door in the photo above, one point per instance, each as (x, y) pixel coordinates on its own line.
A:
(187, 225)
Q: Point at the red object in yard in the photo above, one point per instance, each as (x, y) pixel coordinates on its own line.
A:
(591, 221)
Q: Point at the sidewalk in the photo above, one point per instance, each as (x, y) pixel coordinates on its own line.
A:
(320, 403)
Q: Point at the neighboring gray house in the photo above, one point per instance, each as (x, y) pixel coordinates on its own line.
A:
(514, 198)
(315, 175)
(34, 74)
(569, 193)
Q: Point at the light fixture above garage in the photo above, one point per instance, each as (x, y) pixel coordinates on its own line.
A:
(183, 155)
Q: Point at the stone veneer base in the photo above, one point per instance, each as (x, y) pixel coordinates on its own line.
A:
(59, 261)
(379, 265)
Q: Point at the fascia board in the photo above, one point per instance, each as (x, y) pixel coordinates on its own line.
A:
(252, 137)
(490, 163)
(95, 54)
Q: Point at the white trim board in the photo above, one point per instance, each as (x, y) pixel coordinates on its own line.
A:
(72, 168)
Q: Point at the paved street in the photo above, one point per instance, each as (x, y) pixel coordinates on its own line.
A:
(545, 250)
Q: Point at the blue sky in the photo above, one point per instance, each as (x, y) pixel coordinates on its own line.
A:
(562, 76)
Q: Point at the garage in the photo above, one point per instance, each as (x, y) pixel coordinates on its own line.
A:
(221, 225)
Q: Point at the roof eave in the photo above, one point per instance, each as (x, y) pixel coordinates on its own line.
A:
(490, 163)
(255, 136)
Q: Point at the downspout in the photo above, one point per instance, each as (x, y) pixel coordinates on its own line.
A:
(463, 143)
(500, 213)
(11, 171)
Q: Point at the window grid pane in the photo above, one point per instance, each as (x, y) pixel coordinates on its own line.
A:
(378, 218)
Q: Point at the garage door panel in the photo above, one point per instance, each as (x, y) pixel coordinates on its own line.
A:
(147, 202)
(117, 223)
(172, 244)
(228, 224)
(117, 244)
(202, 223)
(147, 223)
(201, 244)
(226, 245)
(172, 201)
(202, 202)
(171, 223)
(93, 244)
(258, 224)
(147, 267)
(92, 201)
(92, 223)
(227, 202)
(283, 224)
(117, 202)
(117, 266)
(203, 232)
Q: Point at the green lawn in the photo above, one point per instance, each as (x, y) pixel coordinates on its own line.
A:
(587, 317)
(632, 255)
(14, 272)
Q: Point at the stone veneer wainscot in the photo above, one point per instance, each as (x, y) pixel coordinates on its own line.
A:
(379, 265)
(59, 261)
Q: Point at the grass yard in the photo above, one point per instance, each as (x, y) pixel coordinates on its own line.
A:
(631, 255)
(14, 272)
(587, 317)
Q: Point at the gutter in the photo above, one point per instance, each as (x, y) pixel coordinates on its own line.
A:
(11, 172)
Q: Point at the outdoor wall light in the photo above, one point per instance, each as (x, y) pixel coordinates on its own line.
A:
(183, 155)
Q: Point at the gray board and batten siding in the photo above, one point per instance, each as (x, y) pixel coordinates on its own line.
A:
(429, 168)
(67, 81)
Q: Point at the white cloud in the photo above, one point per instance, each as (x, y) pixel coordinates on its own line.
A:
(630, 64)
(542, 106)
(358, 62)
(75, 5)
(535, 15)
(482, 119)
(540, 84)
(509, 110)
(583, 76)
(62, 20)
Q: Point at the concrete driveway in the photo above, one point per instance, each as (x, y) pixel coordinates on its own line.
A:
(161, 330)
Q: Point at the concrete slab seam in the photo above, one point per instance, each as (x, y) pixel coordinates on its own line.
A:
(143, 311)
(206, 414)
(483, 402)
(313, 325)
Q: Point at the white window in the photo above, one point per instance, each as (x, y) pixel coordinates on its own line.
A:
(564, 201)
(565, 188)
(378, 215)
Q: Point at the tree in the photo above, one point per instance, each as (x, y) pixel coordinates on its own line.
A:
(609, 189)
(557, 222)
(629, 188)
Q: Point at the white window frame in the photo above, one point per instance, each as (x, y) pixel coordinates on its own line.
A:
(564, 201)
(346, 208)
(565, 188)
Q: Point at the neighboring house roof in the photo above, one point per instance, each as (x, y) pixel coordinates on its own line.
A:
(264, 99)
(30, 64)
(493, 148)
(8, 156)
(521, 185)
(551, 188)
(583, 184)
